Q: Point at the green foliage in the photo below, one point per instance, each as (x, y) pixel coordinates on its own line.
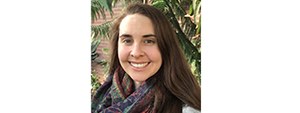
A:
(94, 49)
(186, 29)
(195, 72)
(98, 32)
(95, 82)
(98, 7)
(105, 50)
(105, 66)
(101, 30)
(159, 4)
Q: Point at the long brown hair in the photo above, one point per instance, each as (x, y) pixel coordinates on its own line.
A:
(177, 85)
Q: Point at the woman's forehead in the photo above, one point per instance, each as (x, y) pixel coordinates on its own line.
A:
(136, 24)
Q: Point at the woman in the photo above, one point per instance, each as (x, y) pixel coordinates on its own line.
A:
(148, 72)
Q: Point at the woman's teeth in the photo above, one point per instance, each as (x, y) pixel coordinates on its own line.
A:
(138, 65)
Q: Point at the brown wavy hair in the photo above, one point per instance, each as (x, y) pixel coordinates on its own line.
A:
(177, 85)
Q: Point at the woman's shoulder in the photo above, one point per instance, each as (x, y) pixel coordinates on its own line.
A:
(189, 109)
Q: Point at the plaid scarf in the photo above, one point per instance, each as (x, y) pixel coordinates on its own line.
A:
(118, 95)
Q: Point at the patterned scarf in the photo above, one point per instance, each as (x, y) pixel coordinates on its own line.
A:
(118, 95)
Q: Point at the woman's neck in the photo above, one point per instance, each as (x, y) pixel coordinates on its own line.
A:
(137, 84)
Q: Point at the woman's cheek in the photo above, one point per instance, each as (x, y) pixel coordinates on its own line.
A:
(123, 52)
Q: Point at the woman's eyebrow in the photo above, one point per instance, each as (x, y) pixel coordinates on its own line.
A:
(125, 35)
(149, 35)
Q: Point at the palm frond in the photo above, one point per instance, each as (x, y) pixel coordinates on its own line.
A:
(94, 46)
(160, 4)
(98, 8)
(101, 31)
(190, 50)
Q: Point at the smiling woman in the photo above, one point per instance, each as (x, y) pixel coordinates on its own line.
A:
(144, 75)
(137, 51)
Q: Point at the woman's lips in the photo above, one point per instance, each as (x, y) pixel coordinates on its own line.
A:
(139, 65)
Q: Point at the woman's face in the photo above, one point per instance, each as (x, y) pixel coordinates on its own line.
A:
(138, 51)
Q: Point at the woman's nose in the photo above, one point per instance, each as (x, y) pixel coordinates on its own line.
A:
(137, 51)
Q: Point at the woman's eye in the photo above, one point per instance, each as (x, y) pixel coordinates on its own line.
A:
(126, 41)
(149, 41)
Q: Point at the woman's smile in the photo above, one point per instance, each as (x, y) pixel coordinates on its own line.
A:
(139, 65)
